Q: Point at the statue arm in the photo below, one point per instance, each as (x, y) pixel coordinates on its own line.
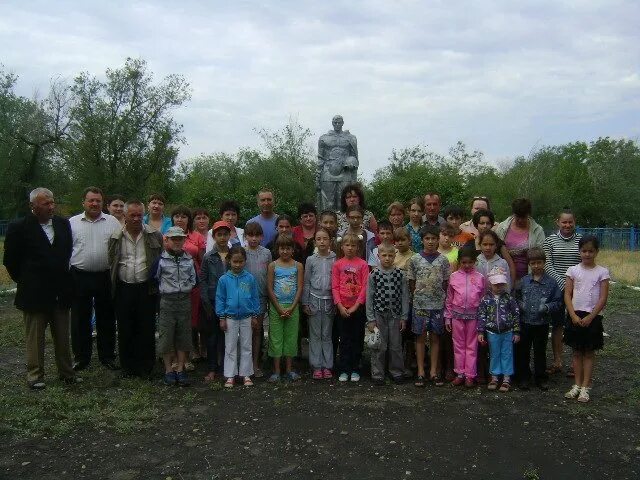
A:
(320, 162)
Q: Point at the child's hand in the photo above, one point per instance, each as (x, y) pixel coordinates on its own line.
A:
(481, 339)
(343, 311)
(576, 320)
(371, 326)
(254, 323)
(306, 309)
(403, 325)
(223, 325)
(516, 338)
(586, 321)
(286, 313)
(448, 327)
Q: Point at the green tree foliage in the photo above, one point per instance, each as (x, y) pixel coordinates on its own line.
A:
(286, 166)
(30, 130)
(122, 136)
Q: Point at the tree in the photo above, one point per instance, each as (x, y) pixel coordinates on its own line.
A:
(122, 136)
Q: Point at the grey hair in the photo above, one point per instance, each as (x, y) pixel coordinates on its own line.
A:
(133, 202)
(39, 191)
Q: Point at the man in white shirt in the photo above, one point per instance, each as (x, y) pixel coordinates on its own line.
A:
(91, 231)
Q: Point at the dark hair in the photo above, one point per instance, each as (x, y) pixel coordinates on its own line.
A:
(327, 213)
(566, 211)
(183, 210)
(521, 207)
(592, 239)
(468, 252)
(286, 218)
(483, 213)
(353, 187)
(284, 240)
(536, 253)
(236, 249)
(455, 211)
(355, 208)
(115, 196)
(432, 194)
(229, 206)
(430, 230)
(133, 201)
(491, 234)
(200, 211)
(253, 228)
(481, 199)
(156, 196)
(306, 207)
(92, 190)
(385, 225)
(416, 201)
(447, 229)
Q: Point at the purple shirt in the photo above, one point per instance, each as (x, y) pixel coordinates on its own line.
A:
(518, 244)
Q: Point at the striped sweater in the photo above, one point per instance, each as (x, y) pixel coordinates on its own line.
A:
(561, 253)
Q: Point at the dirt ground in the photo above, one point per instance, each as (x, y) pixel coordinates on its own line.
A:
(328, 430)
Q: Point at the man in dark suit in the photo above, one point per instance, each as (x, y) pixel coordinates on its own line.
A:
(37, 249)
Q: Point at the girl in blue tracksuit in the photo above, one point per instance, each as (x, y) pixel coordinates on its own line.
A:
(237, 307)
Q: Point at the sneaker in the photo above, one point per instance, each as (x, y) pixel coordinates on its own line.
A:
(274, 378)
(326, 373)
(343, 377)
(573, 393)
(293, 376)
(182, 379)
(317, 374)
(229, 383)
(399, 380)
(457, 381)
(170, 378)
(584, 395)
(247, 382)
(355, 377)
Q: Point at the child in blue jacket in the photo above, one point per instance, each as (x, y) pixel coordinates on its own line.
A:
(237, 307)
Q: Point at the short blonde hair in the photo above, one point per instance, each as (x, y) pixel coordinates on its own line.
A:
(396, 206)
(382, 248)
(401, 233)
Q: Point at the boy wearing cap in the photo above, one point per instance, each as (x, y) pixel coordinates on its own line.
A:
(499, 325)
(541, 301)
(213, 267)
(175, 273)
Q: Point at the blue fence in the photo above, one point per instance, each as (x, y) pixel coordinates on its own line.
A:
(3, 227)
(615, 238)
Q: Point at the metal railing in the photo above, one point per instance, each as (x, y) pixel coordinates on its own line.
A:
(615, 238)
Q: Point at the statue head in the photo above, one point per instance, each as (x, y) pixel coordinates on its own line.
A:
(337, 123)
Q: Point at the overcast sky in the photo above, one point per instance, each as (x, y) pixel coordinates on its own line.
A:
(503, 76)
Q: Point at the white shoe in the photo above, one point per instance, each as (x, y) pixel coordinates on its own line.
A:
(355, 377)
(343, 377)
(573, 393)
(584, 395)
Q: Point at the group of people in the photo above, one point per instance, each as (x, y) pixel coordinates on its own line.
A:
(474, 297)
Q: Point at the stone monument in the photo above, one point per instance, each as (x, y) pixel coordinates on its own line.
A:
(337, 165)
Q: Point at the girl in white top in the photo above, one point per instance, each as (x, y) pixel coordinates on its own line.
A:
(585, 295)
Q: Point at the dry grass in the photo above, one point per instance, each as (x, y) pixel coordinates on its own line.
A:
(624, 266)
(5, 281)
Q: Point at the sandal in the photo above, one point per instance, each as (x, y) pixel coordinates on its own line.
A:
(419, 381)
(505, 387)
(247, 382)
(493, 384)
(229, 383)
(210, 377)
(437, 380)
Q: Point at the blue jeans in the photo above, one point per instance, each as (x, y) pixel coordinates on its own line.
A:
(501, 353)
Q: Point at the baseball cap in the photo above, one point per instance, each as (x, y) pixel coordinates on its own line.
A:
(497, 276)
(220, 224)
(175, 232)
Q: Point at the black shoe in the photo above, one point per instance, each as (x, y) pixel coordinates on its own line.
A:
(111, 365)
(542, 386)
(398, 380)
(523, 385)
(72, 380)
(378, 382)
(79, 366)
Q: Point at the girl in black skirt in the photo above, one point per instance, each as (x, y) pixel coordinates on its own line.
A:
(585, 296)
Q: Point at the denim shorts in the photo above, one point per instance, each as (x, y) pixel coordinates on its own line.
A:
(427, 321)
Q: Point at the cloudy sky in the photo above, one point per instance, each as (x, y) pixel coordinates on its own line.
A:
(505, 77)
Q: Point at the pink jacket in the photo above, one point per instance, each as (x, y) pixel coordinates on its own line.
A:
(349, 281)
(464, 293)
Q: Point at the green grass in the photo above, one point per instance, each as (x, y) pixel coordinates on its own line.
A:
(623, 299)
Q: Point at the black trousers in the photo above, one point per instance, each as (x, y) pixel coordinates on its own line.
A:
(92, 291)
(351, 340)
(136, 310)
(536, 336)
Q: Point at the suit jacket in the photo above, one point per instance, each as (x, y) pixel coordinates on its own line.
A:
(40, 269)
